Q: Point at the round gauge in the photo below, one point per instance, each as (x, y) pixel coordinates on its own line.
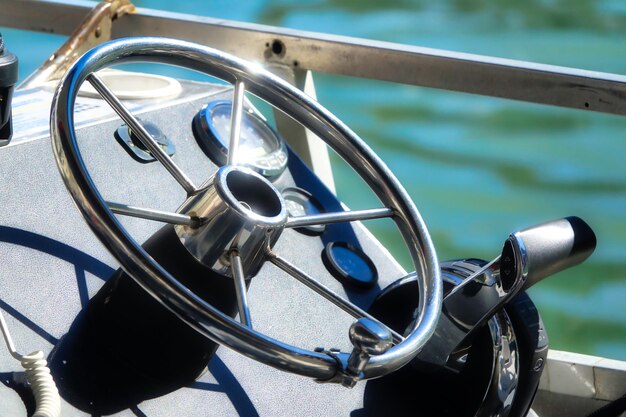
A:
(350, 265)
(300, 202)
(260, 146)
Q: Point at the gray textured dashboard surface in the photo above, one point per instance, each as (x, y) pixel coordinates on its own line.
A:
(51, 265)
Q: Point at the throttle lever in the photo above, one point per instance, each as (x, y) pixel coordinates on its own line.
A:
(527, 257)
(554, 246)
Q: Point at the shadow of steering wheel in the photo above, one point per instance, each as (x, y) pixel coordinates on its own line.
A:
(226, 381)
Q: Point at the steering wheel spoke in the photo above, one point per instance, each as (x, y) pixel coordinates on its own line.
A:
(240, 288)
(151, 214)
(350, 308)
(235, 122)
(341, 216)
(144, 136)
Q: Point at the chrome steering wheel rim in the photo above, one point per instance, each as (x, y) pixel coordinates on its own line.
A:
(163, 286)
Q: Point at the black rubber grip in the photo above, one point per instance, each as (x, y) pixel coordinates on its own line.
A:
(554, 246)
(8, 78)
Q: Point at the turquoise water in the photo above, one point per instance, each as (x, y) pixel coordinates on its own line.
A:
(477, 168)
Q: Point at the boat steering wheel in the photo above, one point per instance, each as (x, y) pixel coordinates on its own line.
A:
(377, 350)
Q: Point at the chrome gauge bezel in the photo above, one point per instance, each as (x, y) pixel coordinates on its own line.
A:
(269, 165)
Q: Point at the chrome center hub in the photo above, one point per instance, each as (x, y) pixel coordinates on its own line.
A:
(238, 210)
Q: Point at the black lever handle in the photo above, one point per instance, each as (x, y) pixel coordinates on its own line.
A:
(552, 247)
(8, 78)
(528, 256)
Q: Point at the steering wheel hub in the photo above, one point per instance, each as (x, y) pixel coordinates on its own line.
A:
(238, 210)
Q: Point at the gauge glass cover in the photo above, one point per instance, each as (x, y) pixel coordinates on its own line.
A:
(261, 148)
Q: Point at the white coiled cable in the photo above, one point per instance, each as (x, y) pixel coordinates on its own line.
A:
(47, 399)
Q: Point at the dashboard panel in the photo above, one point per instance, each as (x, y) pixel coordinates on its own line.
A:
(53, 264)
